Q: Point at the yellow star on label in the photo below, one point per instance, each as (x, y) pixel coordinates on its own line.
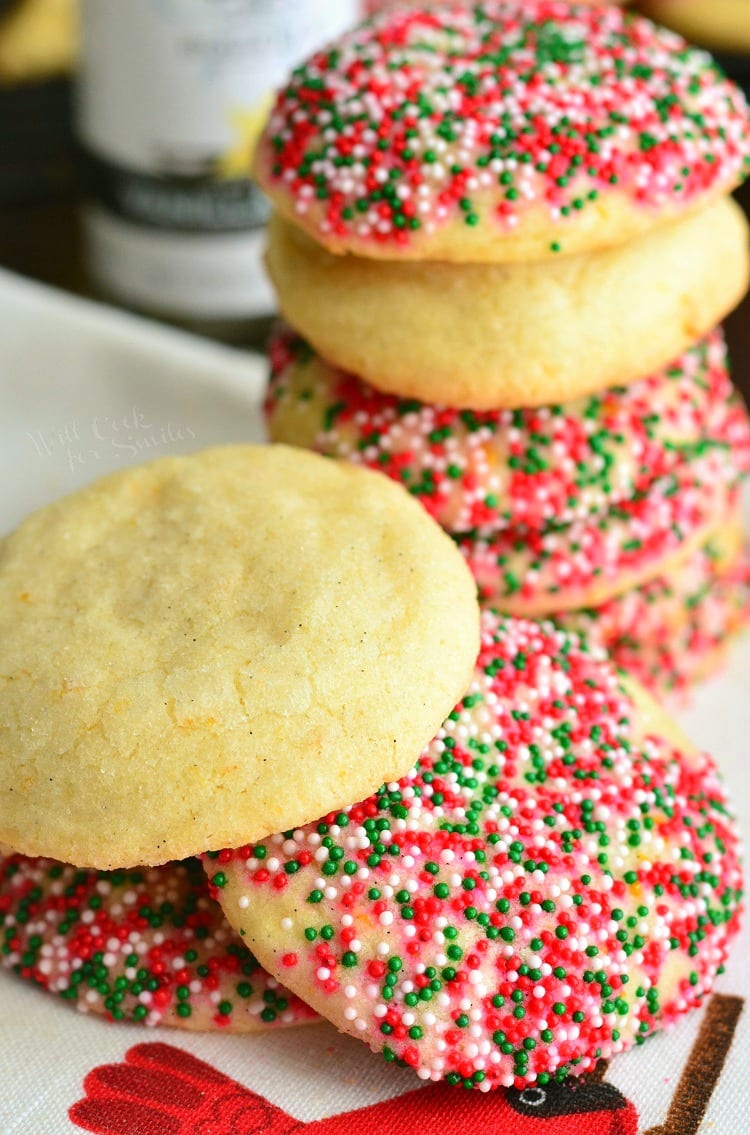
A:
(247, 124)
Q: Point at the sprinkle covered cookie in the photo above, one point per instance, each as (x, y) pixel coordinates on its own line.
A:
(483, 471)
(192, 649)
(583, 564)
(673, 630)
(147, 945)
(556, 878)
(506, 130)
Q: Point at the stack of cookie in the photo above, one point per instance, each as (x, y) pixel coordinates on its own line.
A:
(237, 653)
(504, 242)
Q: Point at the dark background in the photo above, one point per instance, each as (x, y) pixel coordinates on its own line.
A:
(738, 326)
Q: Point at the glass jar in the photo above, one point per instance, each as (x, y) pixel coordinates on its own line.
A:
(172, 96)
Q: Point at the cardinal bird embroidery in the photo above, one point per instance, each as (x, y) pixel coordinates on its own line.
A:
(162, 1090)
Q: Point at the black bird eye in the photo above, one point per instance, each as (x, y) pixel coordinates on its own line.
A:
(533, 1097)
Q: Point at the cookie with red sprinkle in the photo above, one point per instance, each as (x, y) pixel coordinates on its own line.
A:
(537, 573)
(483, 471)
(674, 630)
(372, 7)
(558, 877)
(510, 130)
(147, 945)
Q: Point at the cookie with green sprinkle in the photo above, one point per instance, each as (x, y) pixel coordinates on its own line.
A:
(557, 878)
(591, 561)
(148, 945)
(508, 130)
(675, 629)
(483, 471)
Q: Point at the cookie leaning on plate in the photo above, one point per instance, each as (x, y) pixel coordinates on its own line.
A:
(202, 650)
(557, 877)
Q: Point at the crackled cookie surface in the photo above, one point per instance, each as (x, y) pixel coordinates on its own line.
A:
(500, 131)
(483, 471)
(192, 649)
(556, 878)
(147, 945)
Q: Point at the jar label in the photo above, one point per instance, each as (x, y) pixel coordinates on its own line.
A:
(189, 204)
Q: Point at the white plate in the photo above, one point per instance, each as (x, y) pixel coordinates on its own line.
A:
(85, 389)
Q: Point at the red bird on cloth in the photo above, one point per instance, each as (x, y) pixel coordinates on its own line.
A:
(162, 1090)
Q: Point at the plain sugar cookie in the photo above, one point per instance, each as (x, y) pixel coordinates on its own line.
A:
(468, 335)
(558, 877)
(202, 650)
(723, 24)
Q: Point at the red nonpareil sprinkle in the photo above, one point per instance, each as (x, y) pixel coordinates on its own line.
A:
(145, 944)
(473, 115)
(547, 887)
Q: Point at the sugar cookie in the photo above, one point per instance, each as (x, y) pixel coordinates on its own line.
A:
(482, 471)
(191, 651)
(721, 24)
(470, 335)
(584, 564)
(673, 630)
(500, 131)
(147, 945)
